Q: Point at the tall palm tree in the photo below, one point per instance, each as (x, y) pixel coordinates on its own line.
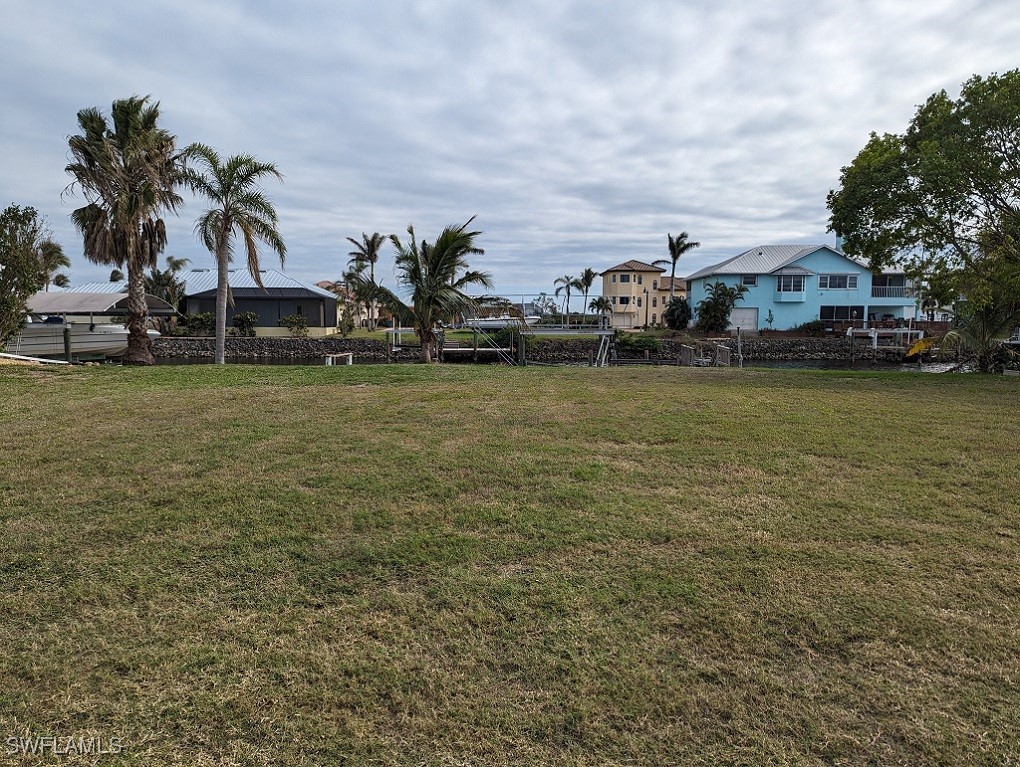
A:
(240, 207)
(677, 247)
(52, 258)
(128, 172)
(366, 256)
(585, 282)
(437, 275)
(565, 284)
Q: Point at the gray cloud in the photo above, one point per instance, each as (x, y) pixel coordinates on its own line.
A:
(579, 132)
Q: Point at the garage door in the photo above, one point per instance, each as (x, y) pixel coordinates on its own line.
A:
(745, 318)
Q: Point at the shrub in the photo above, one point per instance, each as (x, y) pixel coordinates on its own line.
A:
(201, 324)
(678, 314)
(246, 322)
(811, 328)
(636, 343)
(297, 323)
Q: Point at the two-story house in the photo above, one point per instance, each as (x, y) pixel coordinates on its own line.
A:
(800, 283)
(639, 293)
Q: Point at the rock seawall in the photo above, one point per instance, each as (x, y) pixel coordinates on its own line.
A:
(550, 350)
(363, 349)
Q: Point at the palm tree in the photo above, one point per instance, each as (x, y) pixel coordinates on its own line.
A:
(584, 284)
(239, 207)
(602, 306)
(167, 284)
(677, 247)
(62, 281)
(565, 284)
(366, 256)
(436, 274)
(52, 258)
(129, 173)
(116, 275)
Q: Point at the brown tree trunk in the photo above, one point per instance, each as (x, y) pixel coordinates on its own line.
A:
(221, 307)
(139, 351)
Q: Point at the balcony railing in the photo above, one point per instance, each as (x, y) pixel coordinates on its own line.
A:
(900, 291)
(789, 296)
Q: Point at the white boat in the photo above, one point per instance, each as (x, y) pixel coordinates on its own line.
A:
(502, 321)
(88, 341)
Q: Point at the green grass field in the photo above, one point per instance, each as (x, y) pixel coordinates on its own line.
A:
(463, 565)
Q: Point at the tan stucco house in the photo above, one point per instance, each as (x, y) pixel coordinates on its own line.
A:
(638, 292)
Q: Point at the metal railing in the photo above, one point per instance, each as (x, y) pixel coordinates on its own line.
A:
(899, 291)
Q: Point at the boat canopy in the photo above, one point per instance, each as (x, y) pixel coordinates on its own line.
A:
(112, 304)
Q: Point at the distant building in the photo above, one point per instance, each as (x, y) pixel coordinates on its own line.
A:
(801, 283)
(282, 296)
(635, 290)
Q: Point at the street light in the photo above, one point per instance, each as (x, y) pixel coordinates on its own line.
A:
(646, 308)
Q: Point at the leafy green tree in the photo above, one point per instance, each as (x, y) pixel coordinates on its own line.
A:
(564, 285)
(240, 207)
(943, 198)
(21, 272)
(585, 281)
(677, 315)
(436, 274)
(52, 258)
(364, 257)
(714, 310)
(128, 171)
(677, 247)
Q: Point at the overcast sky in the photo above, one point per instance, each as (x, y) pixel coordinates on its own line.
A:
(579, 133)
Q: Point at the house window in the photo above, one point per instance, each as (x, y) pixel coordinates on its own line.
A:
(790, 283)
(653, 319)
(841, 313)
(655, 284)
(624, 278)
(614, 278)
(639, 302)
(655, 302)
(614, 299)
(624, 299)
(750, 280)
(837, 281)
(639, 279)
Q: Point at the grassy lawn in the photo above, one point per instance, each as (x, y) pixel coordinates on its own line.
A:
(465, 565)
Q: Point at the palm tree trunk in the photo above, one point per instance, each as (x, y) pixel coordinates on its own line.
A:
(372, 310)
(221, 307)
(672, 281)
(139, 351)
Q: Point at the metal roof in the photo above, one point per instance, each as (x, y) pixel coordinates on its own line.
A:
(764, 259)
(634, 266)
(241, 282)
(68, 302)
(277, 283)
(99, 287)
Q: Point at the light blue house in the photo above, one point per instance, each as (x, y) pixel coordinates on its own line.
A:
(800, 283)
